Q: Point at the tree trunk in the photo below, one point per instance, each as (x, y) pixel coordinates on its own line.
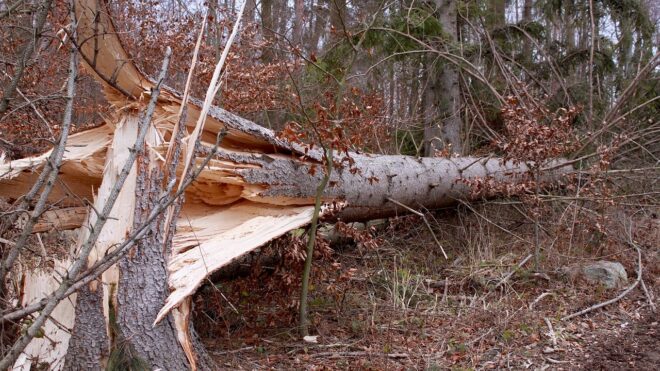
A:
(142, 285)
(250, 9)
(320, 21)
(496, 16)
(89, 346)
(267, 25)
(527, 43)
(254, 188)
(369, 185)
(443, 95)
(298, 22)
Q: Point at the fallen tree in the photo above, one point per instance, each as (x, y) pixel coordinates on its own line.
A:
(252, 187)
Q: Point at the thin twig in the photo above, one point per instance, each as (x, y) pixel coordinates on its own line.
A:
(649, 297)
(10, 243)
(538, 299)
(513, 271)
(358, 354)
(551, 331)
(428, 226)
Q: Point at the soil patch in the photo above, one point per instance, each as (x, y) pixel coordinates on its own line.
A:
(636, 348)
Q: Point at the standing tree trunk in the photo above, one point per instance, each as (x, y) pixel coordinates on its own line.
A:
(89, 346)
(442, 98)
(527, 43)
(298, 22)
(320, 21)
(496, 16)
(142, 285)
(267, 25)
(250, 10)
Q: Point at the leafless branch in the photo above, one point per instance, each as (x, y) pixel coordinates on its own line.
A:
(52, 169)
(25, 55)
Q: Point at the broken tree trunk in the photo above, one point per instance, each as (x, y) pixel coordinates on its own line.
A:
(254, 188)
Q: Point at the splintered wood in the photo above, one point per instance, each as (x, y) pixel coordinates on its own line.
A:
(209, 238)
(80, 174)
(51, 346)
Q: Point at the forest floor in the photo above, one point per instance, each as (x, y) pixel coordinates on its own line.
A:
(399, 304)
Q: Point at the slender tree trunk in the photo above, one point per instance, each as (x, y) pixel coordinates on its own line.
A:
(250, 10)
(443, 95)
(267, 26)
(337, 17)
(320, 21)
(496, 16)
(495, 20)
(298, 22)
(527, 44)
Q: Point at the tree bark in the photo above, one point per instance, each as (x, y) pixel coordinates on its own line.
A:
(320, 22)
(89, 344)
(527, 43)
(443, 95)
(142, 286)
(368, 185)
(496, 16)
(298, 22)
(337, 17)
(267, 25)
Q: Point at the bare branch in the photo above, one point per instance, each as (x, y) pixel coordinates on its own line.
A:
(25, 55)
(52, 169)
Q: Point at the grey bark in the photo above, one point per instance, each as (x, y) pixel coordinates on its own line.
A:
(250, 9)
(443, 95)
(496, 16)
(416, 182)
(142, 287)
(527, 44)
(320, 21)
(337, 17)
(89, 344)
(214, 30)
(298, 22)
(267, 28)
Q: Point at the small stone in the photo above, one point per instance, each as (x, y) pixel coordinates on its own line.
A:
(311, 339)
(609, 274)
